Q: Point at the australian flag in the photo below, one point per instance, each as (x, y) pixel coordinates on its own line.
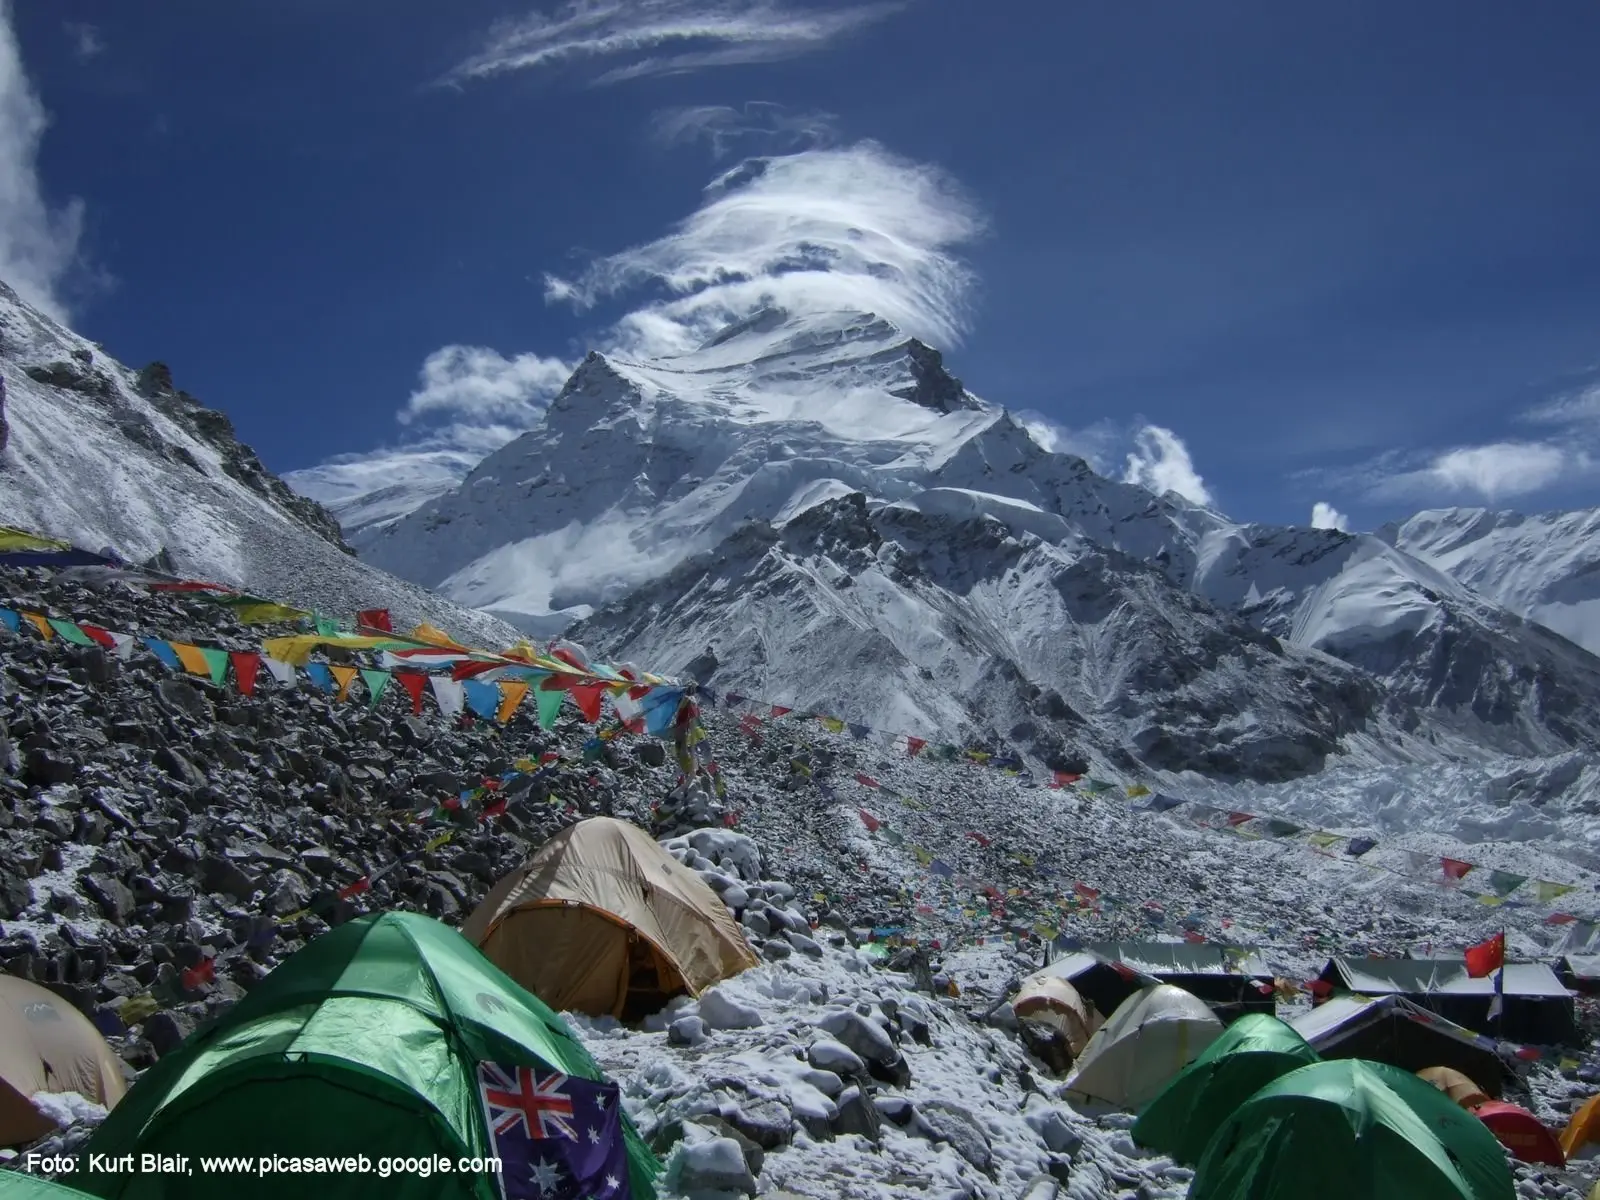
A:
(557, 1137)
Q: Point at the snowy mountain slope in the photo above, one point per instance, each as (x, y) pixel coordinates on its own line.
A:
(364, 501)
(1063, 651)
(638, 468)
(106, 457)
(1545, 567)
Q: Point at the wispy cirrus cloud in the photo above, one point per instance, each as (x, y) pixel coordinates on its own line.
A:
(87, 42)
(39, 243)
(855, 228)
(772, 127)
(661, 37)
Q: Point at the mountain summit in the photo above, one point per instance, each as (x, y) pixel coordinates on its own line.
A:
(849, 528)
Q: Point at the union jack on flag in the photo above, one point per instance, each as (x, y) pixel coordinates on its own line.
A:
(535, 1100)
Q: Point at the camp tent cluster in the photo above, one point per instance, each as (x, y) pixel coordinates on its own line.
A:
(393, 1035)
(1374, 1096)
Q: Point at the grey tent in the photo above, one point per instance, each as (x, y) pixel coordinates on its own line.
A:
(1537, 1008)
(1391, 1029)
(1581, 972)
(1231, 979)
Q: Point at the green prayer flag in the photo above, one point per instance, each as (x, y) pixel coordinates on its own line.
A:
(71, 633)
(1503, 883)
(376, 681)
(327, 626)
(216, 662)
(549, 706)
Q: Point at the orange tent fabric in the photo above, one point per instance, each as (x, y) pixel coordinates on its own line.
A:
(46, 1045)
(1455, 1085)
(602, 920)
(1052, 1001)
(1521, 1132)
(1583, 1128)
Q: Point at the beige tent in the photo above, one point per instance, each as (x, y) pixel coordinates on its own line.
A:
(1056, 1004)
(46, 1045)
(1153, 1035)
(1455, 1085)
(602, 920)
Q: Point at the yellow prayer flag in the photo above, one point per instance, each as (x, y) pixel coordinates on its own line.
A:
(832, 724)
(344, 676)
(512, 693)
(193, 661)
(43, 624)
(1137, 790)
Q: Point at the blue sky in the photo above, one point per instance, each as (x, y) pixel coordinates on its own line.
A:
(1269, 252)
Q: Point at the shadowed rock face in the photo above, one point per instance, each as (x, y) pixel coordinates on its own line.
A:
(1058, 655)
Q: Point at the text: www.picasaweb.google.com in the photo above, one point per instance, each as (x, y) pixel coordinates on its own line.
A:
(260, 1165)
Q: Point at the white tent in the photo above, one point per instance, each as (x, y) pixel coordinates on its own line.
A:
(1152, 1036)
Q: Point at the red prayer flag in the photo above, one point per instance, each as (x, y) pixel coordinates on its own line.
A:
(1123, 969)
(1528, 1054)
(1454, 868)
(980, 839)
(413, 682)
(202, 972)
(1319, 987)
(588, 696)
(494, 810)
(1239, 818)
(375, 618)
(871, 822)
(867, 780)
(1087, 892)
(1486, 957)
(1193, 936)
(548, 757)
(100, 636)
(467, 669)
(245, 666)
(914, 746)
(1560, 919)
(355, 889)
(779, 710)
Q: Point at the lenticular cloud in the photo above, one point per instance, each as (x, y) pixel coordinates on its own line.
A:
(855, 228)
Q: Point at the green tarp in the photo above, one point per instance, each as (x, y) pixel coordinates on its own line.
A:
(1251, 1053)
(14, 1185)
(367, 1042)
(1352, 1128)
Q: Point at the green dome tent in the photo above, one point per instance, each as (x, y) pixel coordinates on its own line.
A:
(1352, 1128)
(1251, 1053)
(14, 1185)
(388, 1037)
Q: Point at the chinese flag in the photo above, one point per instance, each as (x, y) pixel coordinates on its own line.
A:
(1486, 957)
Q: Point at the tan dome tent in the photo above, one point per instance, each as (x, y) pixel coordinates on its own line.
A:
(602, 920)
(1455, 1085)
(46, 1045)
(1153, 1035)
(1055, 1003)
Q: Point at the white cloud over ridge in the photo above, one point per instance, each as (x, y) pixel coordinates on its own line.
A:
(1326, 516)
(476, 386)
(856, 228)
(39, 245)
(692, 35)
(1160, 461)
